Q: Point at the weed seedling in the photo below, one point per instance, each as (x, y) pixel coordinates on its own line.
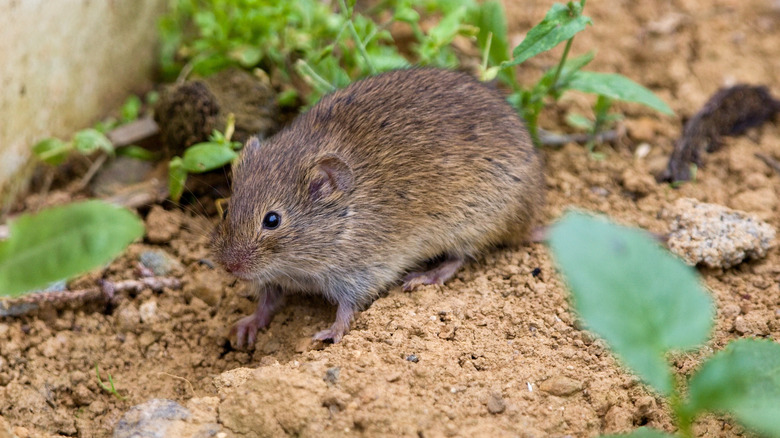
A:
(87, 141)
(646, 303)
(110, 387)
(202, 157)
(561, 23)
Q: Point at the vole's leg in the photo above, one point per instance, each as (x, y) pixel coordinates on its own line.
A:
(340, 326)
(245, 330)
(438, 275)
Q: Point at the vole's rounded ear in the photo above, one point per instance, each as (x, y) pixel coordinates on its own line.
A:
(330, 175)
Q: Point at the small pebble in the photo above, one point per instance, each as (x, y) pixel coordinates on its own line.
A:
(496, 404)
(560, 386)
(151, 419)
(127, 318)
(413, 358)
(148, 311)
(394, 377)
(161, 225)
(159, 262)
(332, 375)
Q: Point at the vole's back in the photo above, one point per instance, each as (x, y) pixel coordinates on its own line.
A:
(441, 162)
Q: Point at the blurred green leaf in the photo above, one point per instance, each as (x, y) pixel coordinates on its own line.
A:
(247, 56)
(62, 242)
(177, 177)
(131, 109)
(637, 296)
(52, 150)
(137, 152)
(406, 14)
(618, 87)
(446, 30)
(287, 98)
(561, 23)
(579, 121)
(203, 157)
(88, 141)
(742, 380)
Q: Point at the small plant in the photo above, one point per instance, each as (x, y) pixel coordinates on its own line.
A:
(202, 157)
(110, 387)
(87, 141)
(330, 46)
(327, 44)
(61, 242)
(561, 23)
(645, 303)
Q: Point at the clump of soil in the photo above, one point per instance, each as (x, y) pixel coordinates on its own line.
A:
(189, 112)
(496, 351)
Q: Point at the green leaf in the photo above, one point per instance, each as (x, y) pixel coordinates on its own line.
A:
(131, 109)
(561, 23)
(642, 432)
(90, 140)
(743, 380)
(570, 67)
(627, 289)
(287, 98)
(247, 56)
(52, 150)
(62, 242)
(203, 157)
(177, 177)
(618, 87)
(444, 32)
(491, 19)
(137, 152)
(579, 121)
(406, 14)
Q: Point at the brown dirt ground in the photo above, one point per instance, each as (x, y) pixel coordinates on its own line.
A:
(500, 353)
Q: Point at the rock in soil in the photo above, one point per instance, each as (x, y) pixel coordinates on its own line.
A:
(714, 235)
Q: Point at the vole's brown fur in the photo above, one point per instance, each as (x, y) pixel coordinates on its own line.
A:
(375, 179)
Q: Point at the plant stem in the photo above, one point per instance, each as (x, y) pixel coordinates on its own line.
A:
(361, 47)
(682, 414)
(316, 79)
(554, 84)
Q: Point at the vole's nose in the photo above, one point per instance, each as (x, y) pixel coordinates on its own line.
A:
(234, 266)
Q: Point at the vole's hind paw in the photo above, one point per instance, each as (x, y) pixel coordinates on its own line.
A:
(438, 275)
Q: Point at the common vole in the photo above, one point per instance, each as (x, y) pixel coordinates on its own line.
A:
(373, 181)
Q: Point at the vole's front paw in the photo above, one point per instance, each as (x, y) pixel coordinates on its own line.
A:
(329, 335)
(245, 330)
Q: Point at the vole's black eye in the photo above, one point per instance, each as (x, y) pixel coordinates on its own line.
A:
(272, 220)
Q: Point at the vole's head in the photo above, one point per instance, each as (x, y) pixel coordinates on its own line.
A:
(288, 210)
